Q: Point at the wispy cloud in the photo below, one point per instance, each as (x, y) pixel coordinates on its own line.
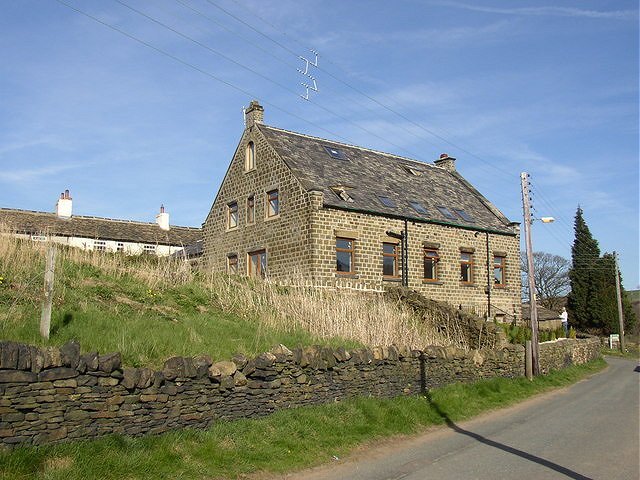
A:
(548, 11)
(29, 174)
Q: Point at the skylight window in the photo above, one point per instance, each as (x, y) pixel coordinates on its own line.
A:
(336, 153)
(417, 206)
(386, 201)
(413, 170)
(464, 215)
(447, 213)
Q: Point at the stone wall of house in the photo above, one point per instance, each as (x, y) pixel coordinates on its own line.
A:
(284, 237)
(369, 233)
(50, 395)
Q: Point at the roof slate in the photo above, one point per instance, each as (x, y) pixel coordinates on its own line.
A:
(368, 174)
(39, 223)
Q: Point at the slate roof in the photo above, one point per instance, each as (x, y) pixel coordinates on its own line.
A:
(41, 223)
(368, 174)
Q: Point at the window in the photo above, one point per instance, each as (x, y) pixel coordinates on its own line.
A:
(466, 267)
(232, 264)
(431, 260)
(273, 203)
(100, 245)
(149, 249)
(464, 215)
(389, 260)
(417, 206)
(39, 238)
(120, 247)
(446, 212)
(251, 209)
(250, 157)
(498, 270)
(258, 263)
(336, 153)
(386, 201)
(345, 248)
(232, 215)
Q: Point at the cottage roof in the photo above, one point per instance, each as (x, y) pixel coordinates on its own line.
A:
(43, 223)
(356, 178)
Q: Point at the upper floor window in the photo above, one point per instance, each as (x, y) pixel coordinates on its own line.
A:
(345, 249)
(466, 267)
(251, 209)
(390, 260)
(431, 260)
(273, 203)
(250, 157)
(498, 270)
(232, 215)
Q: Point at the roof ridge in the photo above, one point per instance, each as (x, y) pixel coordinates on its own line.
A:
(92, 217)
(398, 157)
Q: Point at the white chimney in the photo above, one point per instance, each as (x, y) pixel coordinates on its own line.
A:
(162, 219)
(63, 207)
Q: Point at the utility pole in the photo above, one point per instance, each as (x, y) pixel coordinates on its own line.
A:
(526, 199)
(619, 298)
(45, 318)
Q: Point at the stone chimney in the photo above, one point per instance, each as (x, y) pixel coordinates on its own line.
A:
(162, 219)
(446, 162)
(253, 114)
(64, 205)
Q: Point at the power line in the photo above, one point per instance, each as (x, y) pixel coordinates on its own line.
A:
(284, 87)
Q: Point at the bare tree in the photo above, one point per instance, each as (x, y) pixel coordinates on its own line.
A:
(551, 274)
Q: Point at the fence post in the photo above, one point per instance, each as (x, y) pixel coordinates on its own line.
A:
(45, 318)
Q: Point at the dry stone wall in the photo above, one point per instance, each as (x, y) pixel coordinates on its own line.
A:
(50, 395)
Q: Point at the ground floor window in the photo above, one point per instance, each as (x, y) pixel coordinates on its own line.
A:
(431, 259)
(100, 245)
(232, 264)
(466, 267)
(345, 249)
(390, 260)
(258, 263)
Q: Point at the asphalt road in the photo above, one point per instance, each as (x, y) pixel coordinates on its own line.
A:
(587, 431)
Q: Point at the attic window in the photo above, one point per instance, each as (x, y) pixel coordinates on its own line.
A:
(464, 215)
(335, 153)
(417, 206)
(447, 213)
(341, 193)
(386, 201)
(413, 170)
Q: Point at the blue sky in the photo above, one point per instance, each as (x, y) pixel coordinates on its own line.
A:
(550, 88)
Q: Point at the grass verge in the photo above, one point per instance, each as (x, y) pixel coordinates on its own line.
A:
(285, 441)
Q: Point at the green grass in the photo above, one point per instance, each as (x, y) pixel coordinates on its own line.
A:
(285, 441)
(109, 312)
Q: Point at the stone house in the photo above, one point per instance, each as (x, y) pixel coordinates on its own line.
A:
(96, 233)
(299, 208)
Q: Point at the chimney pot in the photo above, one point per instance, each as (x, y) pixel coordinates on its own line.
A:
(64, 207)
(446, 162)
(162, 219)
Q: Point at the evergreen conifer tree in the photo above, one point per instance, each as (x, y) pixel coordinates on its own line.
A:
(583, 276)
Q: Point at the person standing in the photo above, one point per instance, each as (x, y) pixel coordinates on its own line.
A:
(564, 318)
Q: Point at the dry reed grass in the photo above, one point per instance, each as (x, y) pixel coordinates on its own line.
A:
(369, 318)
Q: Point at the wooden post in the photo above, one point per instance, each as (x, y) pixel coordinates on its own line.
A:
(524, 178)
(527, 360)
(619, 298)
(45, 319)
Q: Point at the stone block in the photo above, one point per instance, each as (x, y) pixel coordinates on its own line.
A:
(131, 377)
(70, 354)
(265, 360)
(9, 352)
(219, 369)
(202, 364)
(240, 360)
(178, 367)
(17, 376)
(52, 357)
(37, 359)
(109, 362)
(239, 379)
(341, 355)
(70, 383)
(146, 378)
(57, 373)
(24, 357)
(108, 381)
(91, 361)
